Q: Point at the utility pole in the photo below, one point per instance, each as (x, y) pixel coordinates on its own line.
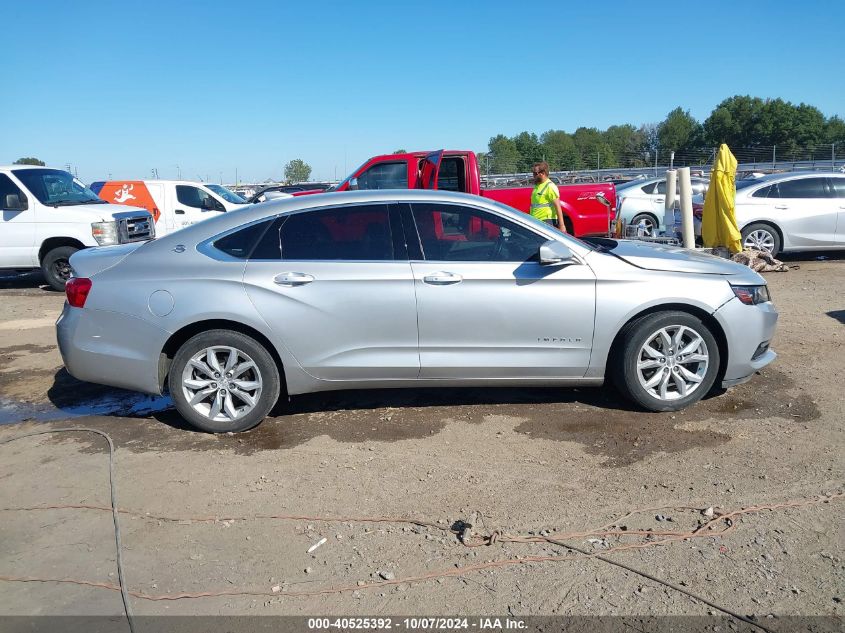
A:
(236, 177)
(774, 157)
(598, 160)
(178, 173)
(672, 160)
(655, 160)
(832, 157)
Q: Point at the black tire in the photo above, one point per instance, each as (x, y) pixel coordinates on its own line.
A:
(650, 221)
(265, 368)
(56, 266)
(761, 229)
(624, 362)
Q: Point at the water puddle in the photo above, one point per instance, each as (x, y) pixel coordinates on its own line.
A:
(127, 404)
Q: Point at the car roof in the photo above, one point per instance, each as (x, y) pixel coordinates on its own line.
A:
(788, 175)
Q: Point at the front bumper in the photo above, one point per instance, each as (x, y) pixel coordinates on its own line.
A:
(746, 328)
(109, 348)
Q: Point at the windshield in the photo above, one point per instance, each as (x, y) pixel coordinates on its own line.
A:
(633, 183)
(55, 187)
(228, 196)
(345, 180)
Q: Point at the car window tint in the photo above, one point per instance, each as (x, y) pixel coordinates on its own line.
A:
(360, 233)
(240, 243)
(191, 196)
(456, 233)
(803, 188)
(838, 187)
(766, 192)
(384, 176)
(7, 187)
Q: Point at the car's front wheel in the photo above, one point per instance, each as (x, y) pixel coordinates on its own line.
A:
(761, 237)
(223, 381)
(668, 361)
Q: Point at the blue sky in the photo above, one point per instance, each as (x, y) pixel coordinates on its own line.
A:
(120, 88)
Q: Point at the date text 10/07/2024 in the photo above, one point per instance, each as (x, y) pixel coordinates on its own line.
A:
(417, 623)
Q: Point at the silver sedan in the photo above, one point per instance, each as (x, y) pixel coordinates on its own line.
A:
(404, 289)
(792, 212)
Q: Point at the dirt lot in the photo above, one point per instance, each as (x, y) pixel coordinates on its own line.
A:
(526, 460)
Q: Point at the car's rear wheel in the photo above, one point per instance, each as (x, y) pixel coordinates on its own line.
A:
(668, 361)
(761, 237)
(223, 381)
(56, 266)
(650, 224)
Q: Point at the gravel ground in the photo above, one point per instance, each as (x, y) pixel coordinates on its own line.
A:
(522, 461)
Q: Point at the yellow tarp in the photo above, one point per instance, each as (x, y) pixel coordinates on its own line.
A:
(718, 223)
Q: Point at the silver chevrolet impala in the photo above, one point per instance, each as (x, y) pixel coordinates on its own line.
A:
(404, 289)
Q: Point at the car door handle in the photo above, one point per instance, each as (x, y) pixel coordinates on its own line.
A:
(293, 279)
(442, 279)
(660, 200)
(781, 206)
(179, 212)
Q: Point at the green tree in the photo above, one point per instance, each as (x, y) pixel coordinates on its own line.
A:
(834, 130)
(627, 144)
(735, 121)
(530, 151)
(297, 170)
(593, 150)
(400, 151)
(679, 131)
(560, 150)
(504, 155)
(30, 161)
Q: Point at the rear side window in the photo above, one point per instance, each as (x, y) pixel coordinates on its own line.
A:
(359, 233)
(650, 188)
(838, 187)
(803, 188)
(7, 188)
(240, 243)
(452, 175)
(766, 192)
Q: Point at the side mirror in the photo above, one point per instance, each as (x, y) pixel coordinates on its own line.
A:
(554, 252)
(13, 202)
(209, 204)
(353, 184)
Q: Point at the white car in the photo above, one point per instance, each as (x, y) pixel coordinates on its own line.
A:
(643, 201)
(46, 215)
(783, 213)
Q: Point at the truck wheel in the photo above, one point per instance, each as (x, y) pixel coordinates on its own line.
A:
(56, 266)
(668, 361)
(223, 381)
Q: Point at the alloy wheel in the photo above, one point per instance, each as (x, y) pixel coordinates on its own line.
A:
(222, 383)
(672, 363)
(760, 240)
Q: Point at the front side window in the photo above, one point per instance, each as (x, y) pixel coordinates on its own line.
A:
(8, 188)
(464, 234)
(359, 233)
(195, 198)
(56, 188)
(384, 176)
(803, 188)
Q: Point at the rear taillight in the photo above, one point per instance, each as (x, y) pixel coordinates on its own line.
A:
(77, 289)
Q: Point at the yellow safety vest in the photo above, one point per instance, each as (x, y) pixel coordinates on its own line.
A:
(542, 198)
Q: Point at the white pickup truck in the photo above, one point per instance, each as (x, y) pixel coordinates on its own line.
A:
(48, 215)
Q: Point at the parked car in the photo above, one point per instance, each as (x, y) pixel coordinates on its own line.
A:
(644, 201)
(174, 204)
(458, 170)
(48, 215)
(783, 213)
(263, 194)
(378, 289)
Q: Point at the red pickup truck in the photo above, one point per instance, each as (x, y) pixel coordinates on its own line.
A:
(454, 170)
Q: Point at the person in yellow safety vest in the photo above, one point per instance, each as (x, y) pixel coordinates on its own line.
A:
(545, 198)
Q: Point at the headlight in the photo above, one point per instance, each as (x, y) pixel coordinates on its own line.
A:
(752, 295)
(104, 232)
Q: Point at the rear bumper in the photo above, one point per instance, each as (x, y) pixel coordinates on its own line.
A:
(746, 329)
(109, 348)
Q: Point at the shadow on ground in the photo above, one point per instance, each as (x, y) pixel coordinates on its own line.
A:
(839, 315)
(596, 418)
